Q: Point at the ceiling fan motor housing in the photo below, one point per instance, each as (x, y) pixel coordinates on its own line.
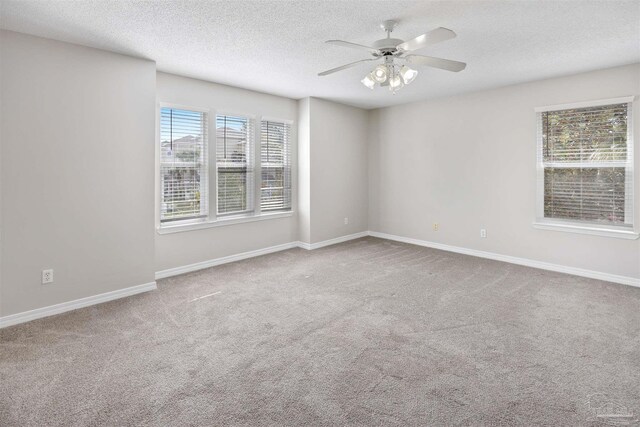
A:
(387, 46)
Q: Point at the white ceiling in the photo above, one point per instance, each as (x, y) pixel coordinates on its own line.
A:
(278, 46)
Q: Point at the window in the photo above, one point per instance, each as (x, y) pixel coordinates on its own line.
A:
(275, 163)
(234, 165)
(585, 165)
(183, 164)
(245, 175)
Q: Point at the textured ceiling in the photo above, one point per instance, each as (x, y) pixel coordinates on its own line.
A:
(277, 46)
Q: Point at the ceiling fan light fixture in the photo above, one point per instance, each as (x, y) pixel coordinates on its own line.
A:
(395, 82)
(369, 81)
(408, 74)
(380, 73)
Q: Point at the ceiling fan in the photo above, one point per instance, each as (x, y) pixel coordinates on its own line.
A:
(392, 74)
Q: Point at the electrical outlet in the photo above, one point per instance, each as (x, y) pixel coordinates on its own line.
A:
(483, 233)
(47, 276)
(435, 226)
(346, 220)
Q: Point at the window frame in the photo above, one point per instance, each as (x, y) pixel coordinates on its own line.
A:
(212, 219)
(259, 163)
(251, 119)
(598, 229)
(205, 211)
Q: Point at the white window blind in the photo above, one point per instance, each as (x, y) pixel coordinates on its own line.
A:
(234, 164)
(183, 164)
(275, 162)
(585, 158)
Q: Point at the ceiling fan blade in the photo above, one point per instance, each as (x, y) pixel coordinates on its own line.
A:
(432, 37)
(344, 67)
(352, 45)
(430, 61)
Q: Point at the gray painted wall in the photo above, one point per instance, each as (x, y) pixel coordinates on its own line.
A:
(469, 162)
(77, 133)
(334, 162)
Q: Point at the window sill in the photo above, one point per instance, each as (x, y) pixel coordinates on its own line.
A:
(586, 229)
(220, 222)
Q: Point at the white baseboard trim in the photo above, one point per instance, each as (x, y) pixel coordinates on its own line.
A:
(163, 274)
(26, 316)
(341, 239)
(625, 280)
(38, 313)
(223, 260)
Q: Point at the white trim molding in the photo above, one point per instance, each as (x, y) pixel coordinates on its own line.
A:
(594, 231)
(583, 104)
(258, 252)
(170, 272)
(220, 222)
(26, 316)
(38, 313)
(625, 280)
(312, 246)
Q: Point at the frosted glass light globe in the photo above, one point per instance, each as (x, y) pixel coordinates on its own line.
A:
(408, 74)
(368, 81)
(380, 73)
(395, 82)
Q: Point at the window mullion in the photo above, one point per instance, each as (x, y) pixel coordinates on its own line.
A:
(212, 167)
(257, 168)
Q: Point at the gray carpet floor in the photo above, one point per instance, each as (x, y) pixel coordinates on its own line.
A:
(369, 332)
